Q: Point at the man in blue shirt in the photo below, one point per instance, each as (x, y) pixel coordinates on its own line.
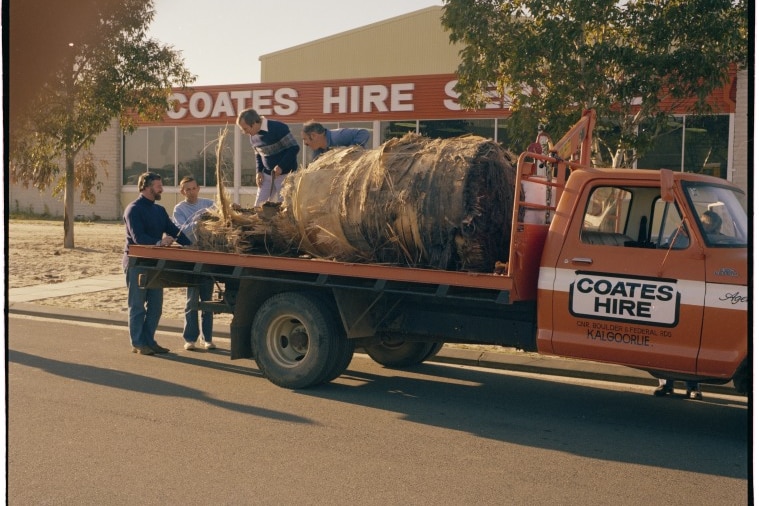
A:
(319, 139)
(276, 153)
(147, 223)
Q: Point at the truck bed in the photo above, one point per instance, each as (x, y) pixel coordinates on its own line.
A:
(197, 261)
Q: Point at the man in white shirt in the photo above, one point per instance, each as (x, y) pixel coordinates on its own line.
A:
(185, 216)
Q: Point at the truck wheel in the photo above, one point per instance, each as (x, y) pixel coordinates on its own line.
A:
(742, 379)
(296, 340)
(399, 353)
(342, 359)
(436, 347)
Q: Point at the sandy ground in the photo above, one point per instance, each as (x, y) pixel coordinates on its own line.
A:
(36, 256)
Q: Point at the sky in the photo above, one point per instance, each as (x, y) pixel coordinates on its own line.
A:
(221, 40)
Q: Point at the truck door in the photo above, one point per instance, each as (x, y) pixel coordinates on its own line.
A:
(629, 283)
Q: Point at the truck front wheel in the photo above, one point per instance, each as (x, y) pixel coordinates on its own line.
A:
(399, 353)
(742, 379)
(296, 340)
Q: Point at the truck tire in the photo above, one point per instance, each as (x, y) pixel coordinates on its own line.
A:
(742, 379)
(397, 353)
(342, 359)
(297, 341)
(436, 347)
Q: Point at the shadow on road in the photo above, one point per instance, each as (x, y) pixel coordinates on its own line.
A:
(708, 437)
(141, 384)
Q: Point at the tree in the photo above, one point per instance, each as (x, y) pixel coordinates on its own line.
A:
(113, 70)
(553, 58)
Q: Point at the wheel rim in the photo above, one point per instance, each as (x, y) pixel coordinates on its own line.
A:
(287, 341)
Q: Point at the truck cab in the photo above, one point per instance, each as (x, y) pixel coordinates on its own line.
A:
(648, 269)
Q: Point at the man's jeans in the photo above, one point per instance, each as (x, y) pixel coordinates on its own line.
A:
(204, 291)
(145, 307)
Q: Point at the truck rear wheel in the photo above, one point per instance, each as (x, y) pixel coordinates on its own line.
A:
(434, 349)
(399, 353)
(297, 340)
(342, 359)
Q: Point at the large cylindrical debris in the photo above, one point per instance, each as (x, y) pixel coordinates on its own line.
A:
(436, 203)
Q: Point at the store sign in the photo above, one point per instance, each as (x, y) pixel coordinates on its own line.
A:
(428, 97)
(606, 297)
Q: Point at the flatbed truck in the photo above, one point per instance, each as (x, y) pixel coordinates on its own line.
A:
(612, 265)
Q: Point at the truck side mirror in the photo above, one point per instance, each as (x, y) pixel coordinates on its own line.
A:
(667, 181)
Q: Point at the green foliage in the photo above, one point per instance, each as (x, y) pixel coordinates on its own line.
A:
(556, 57)
(113, 71)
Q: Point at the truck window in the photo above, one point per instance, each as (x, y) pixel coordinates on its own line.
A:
(605, 217)
(668, 228)
(721, 212)
(607, 210)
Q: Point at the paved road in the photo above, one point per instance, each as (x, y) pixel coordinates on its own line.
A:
(91, 423)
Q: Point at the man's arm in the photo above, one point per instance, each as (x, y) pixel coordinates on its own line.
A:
(169, 228)
(361, 137)
(350, 137)
(289, 160)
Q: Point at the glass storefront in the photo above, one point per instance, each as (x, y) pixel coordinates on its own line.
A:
(692, 144)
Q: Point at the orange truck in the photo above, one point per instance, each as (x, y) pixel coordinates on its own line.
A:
(642, 268)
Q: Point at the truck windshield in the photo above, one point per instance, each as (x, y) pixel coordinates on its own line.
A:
(722, 213)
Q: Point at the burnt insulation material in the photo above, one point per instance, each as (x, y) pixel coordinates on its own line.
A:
(435, 203)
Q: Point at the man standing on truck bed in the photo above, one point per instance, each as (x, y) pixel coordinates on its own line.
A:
(319, 139)
(276, 153)
(147, 223)
(185, 216)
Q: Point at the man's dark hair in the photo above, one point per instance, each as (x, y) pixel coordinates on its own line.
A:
(312, 127)
(146, 178)
(711, 222)
(249, 116)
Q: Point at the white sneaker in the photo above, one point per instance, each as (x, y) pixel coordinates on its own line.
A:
(209, 345)
(189, 346)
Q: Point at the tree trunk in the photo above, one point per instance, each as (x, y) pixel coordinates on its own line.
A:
(68, 204)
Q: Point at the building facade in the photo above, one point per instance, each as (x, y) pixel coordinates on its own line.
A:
(363, 88)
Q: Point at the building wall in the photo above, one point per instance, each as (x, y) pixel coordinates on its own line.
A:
(107, 204)
(412, 44)
(740, 138)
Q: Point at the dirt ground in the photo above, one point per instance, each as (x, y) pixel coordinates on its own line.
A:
(36, 256)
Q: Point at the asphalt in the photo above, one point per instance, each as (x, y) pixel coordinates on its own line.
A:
(21, 301)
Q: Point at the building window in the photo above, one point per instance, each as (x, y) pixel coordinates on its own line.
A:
(190, 153)
(212, 139)
(444, 129)
(692, 144)
(135, 155)
(176, 152)
(394, 129)
(161, 153)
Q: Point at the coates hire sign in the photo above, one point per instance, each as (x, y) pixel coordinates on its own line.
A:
(637, 300)
(401, 98)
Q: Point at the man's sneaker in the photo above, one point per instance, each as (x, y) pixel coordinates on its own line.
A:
(695, 394)
(158, 348)
(209, 345)
(143, 350)
(189, 346)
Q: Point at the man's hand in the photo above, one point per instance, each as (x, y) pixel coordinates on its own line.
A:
(167, 240)
(259, 178)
